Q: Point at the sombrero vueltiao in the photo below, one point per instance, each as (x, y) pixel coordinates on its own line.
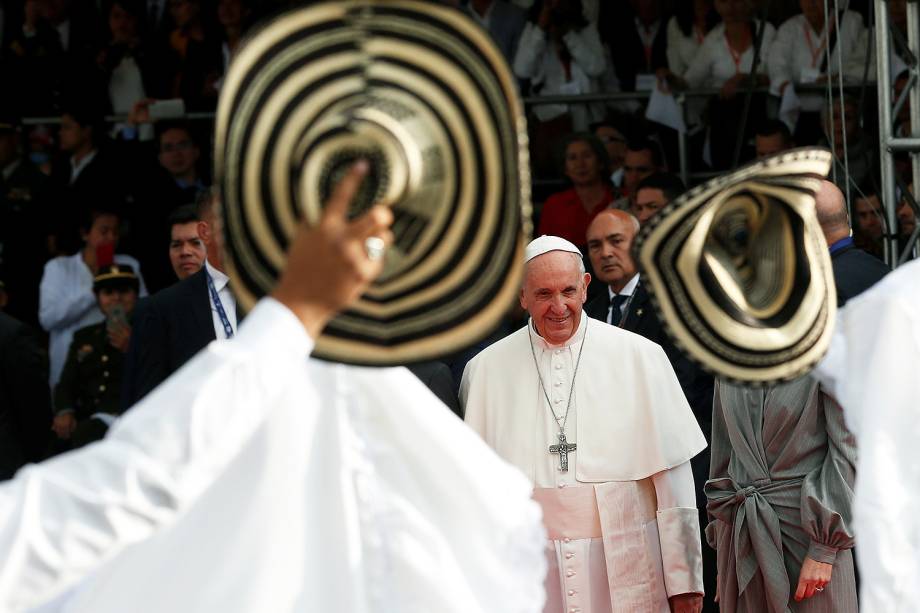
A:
(740, 272)
(421, 91)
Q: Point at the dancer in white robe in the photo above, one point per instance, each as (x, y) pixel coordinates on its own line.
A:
(872, 370)
(258, 480)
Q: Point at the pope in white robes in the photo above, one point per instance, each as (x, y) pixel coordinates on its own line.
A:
(595, 417)
(256, 480)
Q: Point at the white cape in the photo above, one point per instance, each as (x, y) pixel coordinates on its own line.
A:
(872, 369)
(255, 480)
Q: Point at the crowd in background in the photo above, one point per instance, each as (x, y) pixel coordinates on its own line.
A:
(80, 193)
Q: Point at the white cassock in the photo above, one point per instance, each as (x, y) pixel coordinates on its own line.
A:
(256, 480)
(873, 370)
(622, 521)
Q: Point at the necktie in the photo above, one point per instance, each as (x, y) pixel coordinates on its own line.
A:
(616, 304)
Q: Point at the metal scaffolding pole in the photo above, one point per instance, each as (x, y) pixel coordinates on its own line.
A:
(889, 142)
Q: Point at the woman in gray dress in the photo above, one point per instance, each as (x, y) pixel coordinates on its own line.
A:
(780, 493)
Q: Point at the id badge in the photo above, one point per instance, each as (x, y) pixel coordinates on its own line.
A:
(646, 82)
(809, 75)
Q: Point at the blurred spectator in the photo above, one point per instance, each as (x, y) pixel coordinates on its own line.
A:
(85, 176)
(855, 155)
(855, 271)
(772, 137)
(870, 223)
(187, 251)
(560, 53)
(654, 192)
(799, 56)
(503, 20)
(687, 29)
(610, 133)
(643, 158)
(157, 24)
(207, 60)
(725, 61)
(23, 211)
(25, 400)
(567, 214)
(907, 223)
(86, 397)
(173, 180)
(186, 14)
(66, 300)
(131, 73)
(53, 53)
(635, 32)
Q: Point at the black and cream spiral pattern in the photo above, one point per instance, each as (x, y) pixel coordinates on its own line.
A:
(421, 91)
(740, 273)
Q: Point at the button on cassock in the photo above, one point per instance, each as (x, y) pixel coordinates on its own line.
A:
(570, 573)
(569, 556)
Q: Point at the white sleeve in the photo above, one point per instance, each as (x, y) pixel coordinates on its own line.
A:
(780, 56)
(878, 387)
(57, 307)
(676, 62)
(63, 518)
(679, 531)
(674, 487)
(699, 72)
(529, 55)
(587, 50)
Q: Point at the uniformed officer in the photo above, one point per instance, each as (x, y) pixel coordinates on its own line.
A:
(87, 395)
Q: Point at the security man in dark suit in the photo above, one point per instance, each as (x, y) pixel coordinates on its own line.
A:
(855, 271)
(87, 396)
(626, 304)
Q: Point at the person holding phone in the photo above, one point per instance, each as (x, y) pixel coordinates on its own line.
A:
(66, 299)
(87, 395)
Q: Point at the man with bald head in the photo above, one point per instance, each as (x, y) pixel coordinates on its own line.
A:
(595, 417)
(855, 271)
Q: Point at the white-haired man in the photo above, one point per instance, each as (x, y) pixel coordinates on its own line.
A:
(595, 417)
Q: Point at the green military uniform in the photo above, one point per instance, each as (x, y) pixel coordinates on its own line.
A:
(90, 384)
(91, 380)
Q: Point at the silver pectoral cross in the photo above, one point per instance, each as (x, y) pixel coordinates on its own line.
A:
(563, 449)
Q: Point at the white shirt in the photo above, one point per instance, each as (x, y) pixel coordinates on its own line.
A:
(67, 303)
(714, 63)
(63, 30)
(627, 290)
(78, 167)
(222, 285)
(536, 60)
(798, 51)
(255, 479)
(682, 48)
(484, 20)
(872, 369)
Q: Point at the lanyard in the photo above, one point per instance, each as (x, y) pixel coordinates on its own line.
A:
(224, 320)
(648, 41)
(736, 57)
(815, 53)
